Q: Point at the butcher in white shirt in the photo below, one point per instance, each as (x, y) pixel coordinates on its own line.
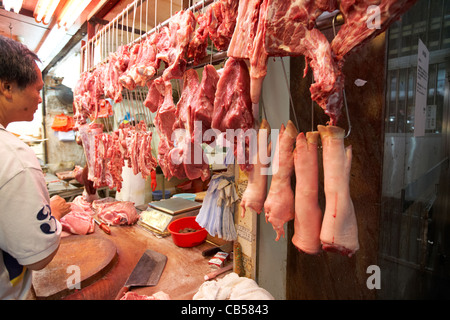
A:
(29, 220)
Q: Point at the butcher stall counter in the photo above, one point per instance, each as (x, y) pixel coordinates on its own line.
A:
(110, 259)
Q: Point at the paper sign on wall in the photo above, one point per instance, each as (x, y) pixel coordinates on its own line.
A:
(420, 112)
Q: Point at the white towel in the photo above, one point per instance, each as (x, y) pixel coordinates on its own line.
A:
(232, 287)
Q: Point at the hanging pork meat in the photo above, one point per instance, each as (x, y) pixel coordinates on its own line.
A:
(143, 64)
(178, 155)
(199, 43)
(173, 52)
(200, 114)
(256, 191)
(364, 20)
(308, 215)
(289, 31)
(339, 232)
(223, 22)
(362, 23)
(243, 41)
(164, 120)
(233, 108)
(117, 65)
(279, 206)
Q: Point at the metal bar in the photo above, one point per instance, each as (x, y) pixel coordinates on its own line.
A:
(130, 7)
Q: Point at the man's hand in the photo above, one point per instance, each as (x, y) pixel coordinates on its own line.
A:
(59, 207)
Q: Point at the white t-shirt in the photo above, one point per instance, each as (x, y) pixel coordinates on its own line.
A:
(28, 231)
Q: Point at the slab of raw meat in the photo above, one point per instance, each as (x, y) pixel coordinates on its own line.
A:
(126, 79)
(82, 203)
(247, 42)
(233, 108)
(117, 65)
(232, 104)
(202, 106)
(88, 132)
(117, 212)
(279, 206)
(308, 215)
(180, 30)
(356, 31)
(200, 111)
(160, 295)
(78, 220)
(258, 56)
(289, 31)
(360, 24)
(339, 232)
(245, 30)
(223, 15)
(199, 43)
(155, 95)
(181, 125)
(256, 191)
(164, 121)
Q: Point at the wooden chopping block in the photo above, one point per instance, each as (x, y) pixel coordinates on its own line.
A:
(92, 255)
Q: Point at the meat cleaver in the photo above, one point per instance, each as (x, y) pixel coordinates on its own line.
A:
(147, 272)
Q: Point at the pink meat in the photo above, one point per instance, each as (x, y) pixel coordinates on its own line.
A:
(233, 106)
(83, 204)
(160, 295)
(199, 43)
(256, 191)
(258, 56)
(164, 121)
(355, 32)
(203, 102)
(245, 30)
(308, 215)
(279, 205)
(126, 79)
(289, 31)
(196, 106)
(178, 154)
(339, 231)
(117, 212)
(155, 95)
(223, 16)
(78, 220)
(201, 110)
(139, 151)
(247, 42)
(173, 53)
(117, 65)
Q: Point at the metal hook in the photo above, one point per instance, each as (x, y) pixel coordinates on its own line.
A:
(343, 90)
(290, 95)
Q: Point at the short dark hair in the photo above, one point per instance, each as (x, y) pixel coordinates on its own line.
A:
(17, 62)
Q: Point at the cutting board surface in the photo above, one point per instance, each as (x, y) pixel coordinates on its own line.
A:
(91, 255)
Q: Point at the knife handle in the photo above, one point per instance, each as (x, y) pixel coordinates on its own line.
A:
(105, 228)
(122, 292)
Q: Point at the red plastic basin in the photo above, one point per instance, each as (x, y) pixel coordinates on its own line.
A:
(190, 239)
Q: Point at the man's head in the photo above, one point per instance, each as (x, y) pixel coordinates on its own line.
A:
(20, 82)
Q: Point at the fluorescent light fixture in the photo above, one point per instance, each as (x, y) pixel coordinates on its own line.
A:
(16, 5)
(72, 10)
(44, 10)
(51, 43)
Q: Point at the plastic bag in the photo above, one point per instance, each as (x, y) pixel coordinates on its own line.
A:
(63, 122)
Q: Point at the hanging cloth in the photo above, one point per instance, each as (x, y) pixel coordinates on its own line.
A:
(217, 212)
